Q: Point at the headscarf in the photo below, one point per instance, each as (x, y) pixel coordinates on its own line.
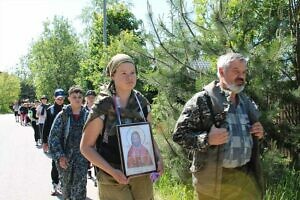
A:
(112, 66)
(116, 61)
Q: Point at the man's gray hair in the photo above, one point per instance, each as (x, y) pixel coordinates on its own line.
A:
(225, 60)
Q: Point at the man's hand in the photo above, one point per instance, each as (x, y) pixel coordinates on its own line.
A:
(217, 136)
(257, 130)
(45, 147)
(63, 162)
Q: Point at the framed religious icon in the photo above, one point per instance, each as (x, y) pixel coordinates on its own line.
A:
(136, 149)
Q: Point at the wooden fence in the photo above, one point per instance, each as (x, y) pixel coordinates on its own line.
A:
(290, 115)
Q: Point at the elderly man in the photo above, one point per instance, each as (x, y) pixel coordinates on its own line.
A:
(220, 127)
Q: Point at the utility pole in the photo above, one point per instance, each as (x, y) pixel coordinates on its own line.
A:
(104, 23)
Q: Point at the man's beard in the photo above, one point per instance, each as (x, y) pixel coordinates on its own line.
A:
(235, 88)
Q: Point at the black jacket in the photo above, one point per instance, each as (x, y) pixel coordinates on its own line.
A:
(52, 111)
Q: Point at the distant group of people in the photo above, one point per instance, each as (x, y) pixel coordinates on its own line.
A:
(21, 112)
(219, 126)
(32, 113)
(67, 177)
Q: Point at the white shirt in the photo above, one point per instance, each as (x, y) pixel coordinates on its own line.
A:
(41, 117)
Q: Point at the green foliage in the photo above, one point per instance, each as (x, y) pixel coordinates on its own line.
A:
(257, 29)
(180, 69)
(54, 58)
(177, 191)
(9, 91)
(173, 154)
(175, 60)
(123, 37)
(26, 80)
(27, 91)
(282, 181)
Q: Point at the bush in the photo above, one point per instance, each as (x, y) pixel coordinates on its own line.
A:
(169, 188)
(283, 182)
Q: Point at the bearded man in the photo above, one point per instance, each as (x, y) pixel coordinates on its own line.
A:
(220, 126)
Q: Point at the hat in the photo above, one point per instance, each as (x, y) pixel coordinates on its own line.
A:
(116, 61)
(44, 97)
(59, 93)
(90, 92)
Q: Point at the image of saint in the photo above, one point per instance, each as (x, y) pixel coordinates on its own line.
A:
(138, 154)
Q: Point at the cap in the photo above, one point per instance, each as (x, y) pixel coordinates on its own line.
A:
(90, 92)
(59, 93)
(44, 97)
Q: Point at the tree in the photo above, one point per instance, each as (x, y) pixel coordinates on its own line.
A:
(257, 29)
(9, 90)
(54, 58)
(122, 28)
(260, 30)
(26, 80)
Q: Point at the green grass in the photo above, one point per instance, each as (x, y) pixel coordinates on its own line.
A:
(287, 188)
(283, 182)
(167, 188)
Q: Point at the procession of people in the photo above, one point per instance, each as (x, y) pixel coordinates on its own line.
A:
(219, 125)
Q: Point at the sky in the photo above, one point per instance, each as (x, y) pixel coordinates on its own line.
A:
(21, 22)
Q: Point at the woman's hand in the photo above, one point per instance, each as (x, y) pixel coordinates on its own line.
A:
(119, 177)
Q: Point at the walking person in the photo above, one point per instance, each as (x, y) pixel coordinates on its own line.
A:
(16, 108)
(64, 142)
(220, 127)
(23, 113)
(41, 114)
(52, 111)
(33, 118)
(102, 121)
(90, 97)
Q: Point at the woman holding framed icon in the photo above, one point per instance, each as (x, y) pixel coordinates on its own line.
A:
(116, 110)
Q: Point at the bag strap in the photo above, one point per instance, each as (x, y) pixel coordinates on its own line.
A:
(117, 106)
(141, 110)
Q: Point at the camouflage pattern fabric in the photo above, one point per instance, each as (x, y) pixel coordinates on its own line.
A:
(139, 187)
(191, 132)
(107, 144)
(193, 124)
(64, 140)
